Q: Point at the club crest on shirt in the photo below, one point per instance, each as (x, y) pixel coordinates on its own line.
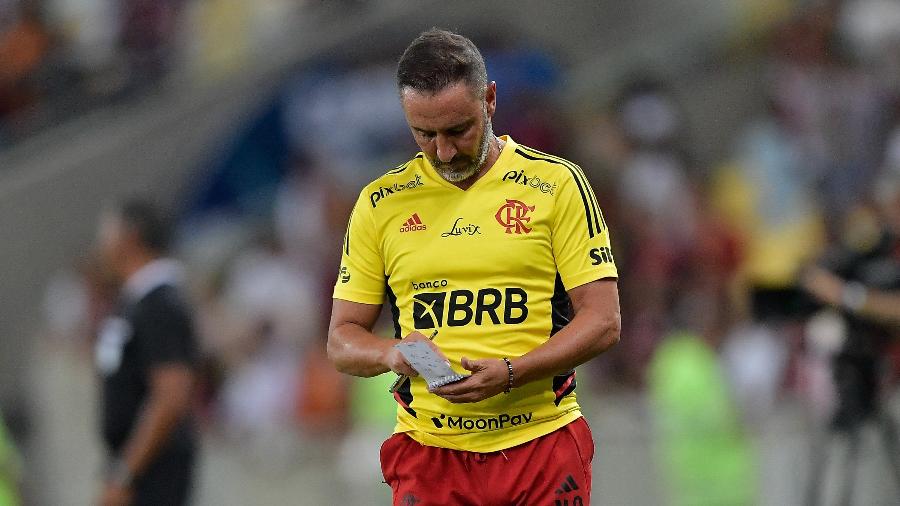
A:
(513, 216)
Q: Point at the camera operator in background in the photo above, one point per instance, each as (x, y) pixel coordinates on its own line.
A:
(876, 256)
(862, 279)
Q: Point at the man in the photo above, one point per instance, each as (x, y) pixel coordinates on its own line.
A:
(146, 355)
(876, 294)
(493, 244)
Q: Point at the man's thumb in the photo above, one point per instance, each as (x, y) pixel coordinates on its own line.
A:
(470, 365)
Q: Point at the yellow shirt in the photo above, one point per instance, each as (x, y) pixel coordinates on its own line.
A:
(489, 267)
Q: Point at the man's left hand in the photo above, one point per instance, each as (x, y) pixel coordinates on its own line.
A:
(489, 377)
(115, 495)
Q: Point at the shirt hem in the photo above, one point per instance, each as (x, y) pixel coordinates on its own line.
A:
(586, 277)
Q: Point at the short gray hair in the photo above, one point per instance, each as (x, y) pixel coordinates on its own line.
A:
(439, 58)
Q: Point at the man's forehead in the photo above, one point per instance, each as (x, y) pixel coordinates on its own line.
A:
(446, 108)
(457, 93)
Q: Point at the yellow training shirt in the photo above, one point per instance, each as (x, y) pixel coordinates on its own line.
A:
(489, 268)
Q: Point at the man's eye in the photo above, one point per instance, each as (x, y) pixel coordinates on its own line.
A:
(427, 135)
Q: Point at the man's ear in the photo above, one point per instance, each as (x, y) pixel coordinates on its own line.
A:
(490, 98)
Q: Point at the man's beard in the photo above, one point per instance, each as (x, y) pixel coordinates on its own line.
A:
(454, 175)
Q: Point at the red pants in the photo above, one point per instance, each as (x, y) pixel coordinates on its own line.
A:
(552, 470)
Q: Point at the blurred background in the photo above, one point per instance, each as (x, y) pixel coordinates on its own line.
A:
(730, 143)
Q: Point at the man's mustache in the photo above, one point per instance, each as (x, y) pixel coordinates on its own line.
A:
(453, 161)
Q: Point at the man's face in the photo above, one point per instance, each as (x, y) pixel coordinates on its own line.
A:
(452, 127)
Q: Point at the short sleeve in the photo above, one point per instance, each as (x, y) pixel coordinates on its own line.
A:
(580, 237)
(165, 330)
(361, 277)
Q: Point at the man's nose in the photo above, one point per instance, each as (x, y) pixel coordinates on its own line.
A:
(445, 149)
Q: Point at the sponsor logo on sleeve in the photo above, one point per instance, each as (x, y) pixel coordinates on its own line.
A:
(345, 274)
(602, 255)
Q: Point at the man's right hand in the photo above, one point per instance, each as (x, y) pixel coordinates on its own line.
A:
(393, 359)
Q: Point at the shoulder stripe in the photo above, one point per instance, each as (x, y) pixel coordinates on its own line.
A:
(401, 168)
(598, 213)
(581, 190)
(347, 233)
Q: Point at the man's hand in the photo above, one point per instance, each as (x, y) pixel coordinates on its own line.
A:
(489, 378)
(115, 495)
(393, 359)
(823, 285)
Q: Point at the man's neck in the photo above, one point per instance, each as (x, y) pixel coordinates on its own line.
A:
(495, 145)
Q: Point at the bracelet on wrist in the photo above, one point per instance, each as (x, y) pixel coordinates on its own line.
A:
(509, 369)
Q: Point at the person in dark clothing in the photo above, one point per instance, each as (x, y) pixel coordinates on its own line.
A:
(146, 354)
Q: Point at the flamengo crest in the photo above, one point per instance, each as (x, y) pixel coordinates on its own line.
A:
(513, 215)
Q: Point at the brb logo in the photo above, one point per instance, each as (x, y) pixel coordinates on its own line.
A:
(460, 307)
(513, 215)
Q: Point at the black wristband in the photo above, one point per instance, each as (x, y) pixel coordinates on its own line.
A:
(509, 368)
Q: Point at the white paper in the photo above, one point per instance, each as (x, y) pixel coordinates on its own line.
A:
(431, 366)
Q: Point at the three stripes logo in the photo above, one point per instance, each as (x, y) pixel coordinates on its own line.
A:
(568, 485)
(412, 224)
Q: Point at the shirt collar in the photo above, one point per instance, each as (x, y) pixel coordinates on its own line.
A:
(157, 273)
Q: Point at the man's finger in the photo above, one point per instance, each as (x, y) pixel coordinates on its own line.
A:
(407, 371)
(456, 388)
(463, 398)
(415, 336)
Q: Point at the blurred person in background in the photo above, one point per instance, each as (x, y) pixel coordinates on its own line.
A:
(874, 233)
(10, 468)
(148, 36)
(146, 354)
(658, 208)
(25, 43)
(544, 255)
(860, 277)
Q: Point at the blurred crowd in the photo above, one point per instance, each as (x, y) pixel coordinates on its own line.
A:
(706, 248)
(63, 58)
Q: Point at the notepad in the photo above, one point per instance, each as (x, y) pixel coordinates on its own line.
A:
(434, 369)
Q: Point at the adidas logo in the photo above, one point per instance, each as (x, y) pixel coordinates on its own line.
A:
(413, 224)
(567, 486)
